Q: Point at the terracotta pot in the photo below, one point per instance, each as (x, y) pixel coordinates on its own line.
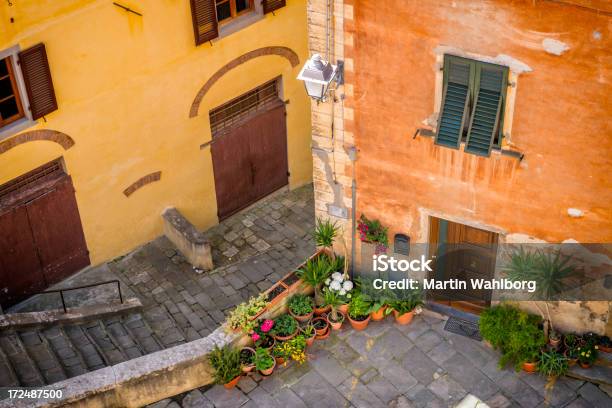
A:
(379, 314)
(554, 343)
(584, 365)
(335, 325)
(303, 318)
(269, 348)
(570, 361)
(403, 319)
(310, 341)
(343, 309)
(320, 331)
(232, 383)
(289, 337)
(324, 335)
(605, 349)
(250, 367)
(321, 310)
(530, 367)
(269, 370)
(359, 324)
(280, 360)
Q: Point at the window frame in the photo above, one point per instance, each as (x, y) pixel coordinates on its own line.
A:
(233, 13)
(26, 120)
(16, 94)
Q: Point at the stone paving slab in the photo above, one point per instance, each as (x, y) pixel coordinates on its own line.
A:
(347, 370)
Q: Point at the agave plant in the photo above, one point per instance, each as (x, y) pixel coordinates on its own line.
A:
(314, 273)
(325, 233)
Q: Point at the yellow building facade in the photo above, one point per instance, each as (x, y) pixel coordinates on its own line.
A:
(134, 93)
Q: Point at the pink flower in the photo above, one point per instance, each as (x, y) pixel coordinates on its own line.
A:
(267, 325)
(255, 336)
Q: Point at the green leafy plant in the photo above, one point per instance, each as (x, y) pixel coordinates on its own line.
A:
(407, 302)
(243, 315)
(553, 364)
(374, 232)
(587, 353)
(308, 331)
(263, 360)
(314, 273)
(300, 304)
(294, 349)
(284, 325)
(325, 233)
(226, 363)
(359, 307)
(335, 301)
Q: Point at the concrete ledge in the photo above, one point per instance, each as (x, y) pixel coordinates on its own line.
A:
(73, 315)
(191, 243)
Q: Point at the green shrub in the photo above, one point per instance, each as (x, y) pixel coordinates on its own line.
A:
(242, 315)
(360, 307)
(553, 364)
(300, 304)
(325, 233)
(263, 360)
(284, 325)
(226, 362)
(407, 302)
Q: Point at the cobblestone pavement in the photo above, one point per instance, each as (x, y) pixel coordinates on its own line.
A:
(179, 305)
(419, 365)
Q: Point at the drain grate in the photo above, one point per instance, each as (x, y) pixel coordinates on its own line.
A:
(463, 327)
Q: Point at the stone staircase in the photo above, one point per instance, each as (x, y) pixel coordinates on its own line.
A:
(45, 355)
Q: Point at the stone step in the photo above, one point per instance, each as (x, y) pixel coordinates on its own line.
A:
(8, 377)
(26, 370)
(142, 332)
(40, 351)
(92, 358)
(124, 339)
(600, 373)
(69, 356)
(111, 351)
(165, 327)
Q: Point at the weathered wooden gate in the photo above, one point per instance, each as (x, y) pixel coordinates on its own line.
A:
(41, 237)
(250, 153)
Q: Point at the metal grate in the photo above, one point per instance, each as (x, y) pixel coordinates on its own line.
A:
(463, 327)
(237, 109)
(23, 181)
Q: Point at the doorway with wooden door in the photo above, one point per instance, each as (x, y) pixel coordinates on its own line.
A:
(41, 236)
(462, 252)
(249, 148)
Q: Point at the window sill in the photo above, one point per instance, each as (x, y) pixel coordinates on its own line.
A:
(238, 24)
(15, 127)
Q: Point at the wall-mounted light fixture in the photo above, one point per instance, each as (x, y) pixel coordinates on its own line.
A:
(318, 75)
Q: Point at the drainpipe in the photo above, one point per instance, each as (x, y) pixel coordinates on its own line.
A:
(352, 154)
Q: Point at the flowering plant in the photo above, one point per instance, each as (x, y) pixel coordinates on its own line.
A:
(294, 349)
(242, 317)
(341, 285)
(261, 334)
(587, 353)
(373, 231)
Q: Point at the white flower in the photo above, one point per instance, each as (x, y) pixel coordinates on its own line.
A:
(347, 285)
(337, 276)
(327, 281)
(335, 285)
(342, 292)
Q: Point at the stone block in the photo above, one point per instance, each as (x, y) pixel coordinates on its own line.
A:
(192, 244)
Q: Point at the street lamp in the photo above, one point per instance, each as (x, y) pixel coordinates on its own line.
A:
(317, 75)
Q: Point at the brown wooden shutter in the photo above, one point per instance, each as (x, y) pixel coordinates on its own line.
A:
(37, 77)
(204, 16)
(271, 5)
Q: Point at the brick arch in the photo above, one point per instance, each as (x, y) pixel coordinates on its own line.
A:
(60, 138)
(284, 52)
(141, 182)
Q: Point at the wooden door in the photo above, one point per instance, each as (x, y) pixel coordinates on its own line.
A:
(58, 233)
(20, 269)
(464, 253)
(250, 160)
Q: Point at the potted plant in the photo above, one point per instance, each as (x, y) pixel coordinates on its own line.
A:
(571, 353)
(320, 325)
(243, 316)
(372, 232)
(324, 235)
(294, 349)
(605, 344)
(342, 286)
(226, 363)
(309, 334)
(554, 339)
(301, 307)
(262, 336)
(285, 328)
(314, 272)
(529, 359)
(280, 354)
(570, 340)
(247, 355)
(403, 308)
(359, 312)
(335, 318)
(587, 354)
(553, 364)
(264, 362)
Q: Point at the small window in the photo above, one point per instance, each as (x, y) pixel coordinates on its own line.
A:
(229, 9)
(473, 104)
(401, 244)
(11, 108)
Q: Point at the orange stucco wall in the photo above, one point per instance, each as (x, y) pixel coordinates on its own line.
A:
(561, 122)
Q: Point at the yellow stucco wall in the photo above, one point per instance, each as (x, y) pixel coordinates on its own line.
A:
(124, 86)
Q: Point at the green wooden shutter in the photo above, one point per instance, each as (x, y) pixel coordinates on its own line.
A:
(457, 72)
(485, 124)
